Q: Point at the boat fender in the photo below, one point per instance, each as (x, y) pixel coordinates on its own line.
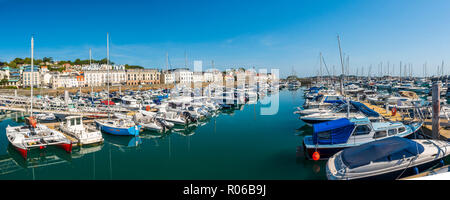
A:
(316, 156)
(394, 111)
(442, 162)
(416, 170)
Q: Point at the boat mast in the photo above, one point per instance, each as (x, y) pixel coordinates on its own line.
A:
(320, 70)
(342, 64)
(90, 65)
(107, 66)
(32, 75)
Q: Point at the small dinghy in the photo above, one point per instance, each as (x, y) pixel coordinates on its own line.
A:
(388, 159)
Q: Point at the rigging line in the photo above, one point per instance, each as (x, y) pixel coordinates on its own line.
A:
(323, 60)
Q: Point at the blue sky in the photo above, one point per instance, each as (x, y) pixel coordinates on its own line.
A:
(265, 34)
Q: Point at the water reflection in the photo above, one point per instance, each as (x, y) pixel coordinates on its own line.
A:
(84, 150)
(123, 142)
(304, 130)
(39, 157)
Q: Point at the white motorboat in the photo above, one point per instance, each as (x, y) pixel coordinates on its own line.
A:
(338, 113)
(389, 158)
(323, 100)
(73, 126)
(150, 122)
(312, 111)
(45, 117)
(130, 103)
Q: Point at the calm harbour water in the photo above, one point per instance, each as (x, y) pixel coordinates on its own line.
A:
(238, 145)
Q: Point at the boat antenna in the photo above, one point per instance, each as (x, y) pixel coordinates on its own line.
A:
(32, 75)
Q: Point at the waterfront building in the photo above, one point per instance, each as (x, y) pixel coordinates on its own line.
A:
(27, 76)
(64, 81)
(183, 75)
(239, 77)
(208, 77)
(4, 74)
(46, 79)
(80, 80)
(98, 67)
(99, 77)
(143, 76)
(197, 77)
(228, 79)
(15, 78)
(167, 77)
(217, 76)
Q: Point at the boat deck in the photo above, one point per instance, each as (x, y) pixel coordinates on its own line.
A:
(426, 173)
(387, 115)
(75, 141)
(443, 132)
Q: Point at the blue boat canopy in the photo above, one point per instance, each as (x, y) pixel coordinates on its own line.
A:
(332, 132)
(392, 148)
(363, 108)
(337, 100)
(317, 97)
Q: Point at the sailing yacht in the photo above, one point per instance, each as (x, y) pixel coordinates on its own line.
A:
(118, 126)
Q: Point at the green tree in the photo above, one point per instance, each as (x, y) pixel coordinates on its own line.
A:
(47, 59)
(133, 67)
(4, 81)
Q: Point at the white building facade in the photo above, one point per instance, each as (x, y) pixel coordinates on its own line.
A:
(183, 76)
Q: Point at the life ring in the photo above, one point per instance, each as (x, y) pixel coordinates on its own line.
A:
(394, 111)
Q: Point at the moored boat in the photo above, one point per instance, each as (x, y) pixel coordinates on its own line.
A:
(390, 158)
(331, 137)
(35, 136)
(73, 126)
(118, 127)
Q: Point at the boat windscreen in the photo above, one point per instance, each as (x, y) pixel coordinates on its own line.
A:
(371, 152)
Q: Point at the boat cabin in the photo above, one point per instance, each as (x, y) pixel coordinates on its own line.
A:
(356, 131)
(74, 122)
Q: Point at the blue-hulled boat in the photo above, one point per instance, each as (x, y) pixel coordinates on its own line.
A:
(333, 136)
(119, 127)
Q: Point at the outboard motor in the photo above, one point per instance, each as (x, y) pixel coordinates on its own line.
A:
(189, 117)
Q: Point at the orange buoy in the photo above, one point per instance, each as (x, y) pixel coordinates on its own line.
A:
(147, 108)
(316, 155)
(394, 111)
